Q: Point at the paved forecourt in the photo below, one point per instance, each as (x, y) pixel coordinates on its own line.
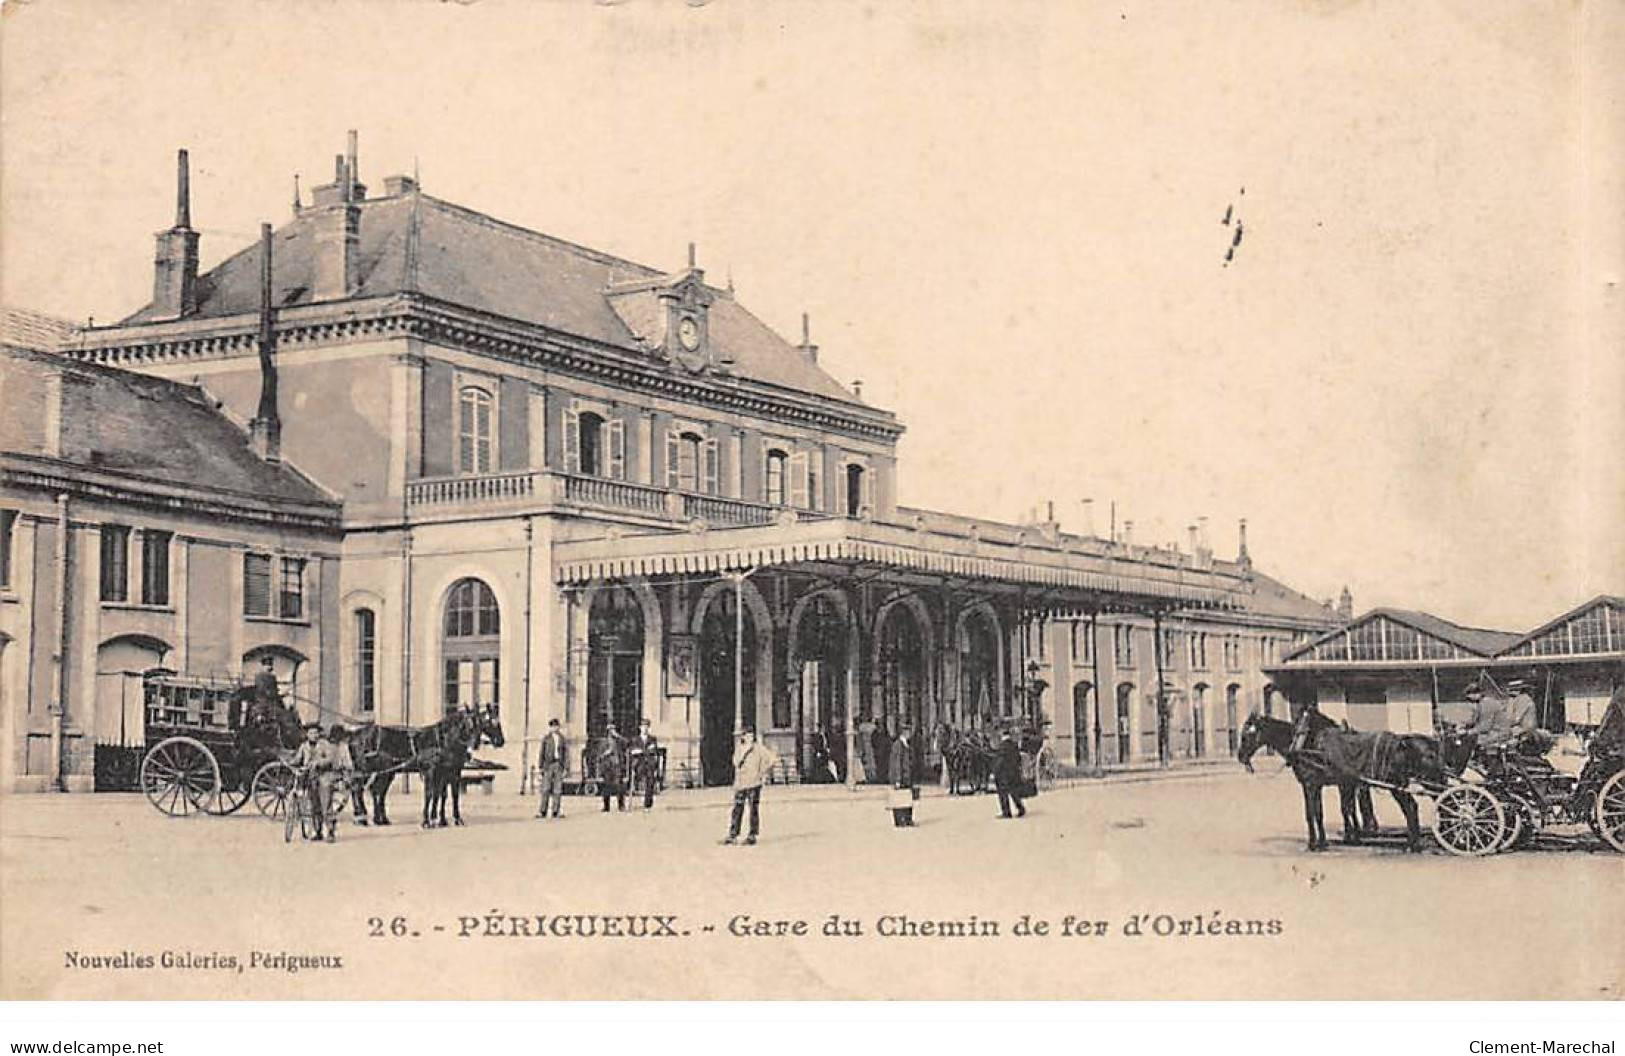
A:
(1191, 886)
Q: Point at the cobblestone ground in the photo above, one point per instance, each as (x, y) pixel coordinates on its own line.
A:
(97, 875)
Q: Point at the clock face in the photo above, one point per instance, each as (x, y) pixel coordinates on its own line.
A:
(688, 333)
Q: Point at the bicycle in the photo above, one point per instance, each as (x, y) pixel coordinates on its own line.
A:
(299, 809)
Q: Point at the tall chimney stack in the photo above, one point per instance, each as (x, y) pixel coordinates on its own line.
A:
(265, 431)
(1243, 558)
(808, 349)
(174, 274)
(335, 215)
(352, 166)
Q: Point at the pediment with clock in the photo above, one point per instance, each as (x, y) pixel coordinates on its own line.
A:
(669, 316)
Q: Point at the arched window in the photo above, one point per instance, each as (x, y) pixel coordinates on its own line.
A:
(592, 444)
(773, 476)
(473, 430)
(471, 611)
(366, 660)
(470, 645)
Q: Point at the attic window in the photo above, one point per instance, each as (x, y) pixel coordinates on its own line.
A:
(293, 294)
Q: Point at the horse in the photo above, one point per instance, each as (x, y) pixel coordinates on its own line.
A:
(1322, 759)
(970, 764)
(380, 752)
(444, 773)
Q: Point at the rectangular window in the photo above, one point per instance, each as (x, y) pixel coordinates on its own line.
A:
(115, 562)
(7, 519)
(1123, 646)
(366, 654)
(1083, 643)
(256, 585)
(291, 595)
(474, 430)
(155, 567)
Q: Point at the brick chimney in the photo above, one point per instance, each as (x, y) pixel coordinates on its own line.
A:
(174, 276)
(808, 349)
(335, 216)
(1243, 558)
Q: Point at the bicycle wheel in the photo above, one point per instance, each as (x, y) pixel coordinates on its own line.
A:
(294, 806)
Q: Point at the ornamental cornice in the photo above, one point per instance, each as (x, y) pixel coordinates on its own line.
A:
(416, 316)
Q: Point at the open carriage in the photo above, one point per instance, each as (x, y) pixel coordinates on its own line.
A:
(1501, 798)
(204, 756)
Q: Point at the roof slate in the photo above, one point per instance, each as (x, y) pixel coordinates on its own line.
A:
(417, 243)
(149, 427)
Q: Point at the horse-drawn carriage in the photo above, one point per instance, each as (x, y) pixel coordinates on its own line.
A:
(1500, 798)
(1485, 799)
(206, 754)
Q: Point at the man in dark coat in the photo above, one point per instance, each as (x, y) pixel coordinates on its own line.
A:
(880, 745)
(612, 769)
(904, 780)
(646, 762)
(267, 694)
(1007, 774)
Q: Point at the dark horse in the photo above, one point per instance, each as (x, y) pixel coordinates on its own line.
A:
(380, 752)
(444, 772)
(1323, 758)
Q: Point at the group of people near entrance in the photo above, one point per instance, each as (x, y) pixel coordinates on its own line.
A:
(618, 762)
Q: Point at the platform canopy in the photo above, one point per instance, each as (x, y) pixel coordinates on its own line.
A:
(1056, 575)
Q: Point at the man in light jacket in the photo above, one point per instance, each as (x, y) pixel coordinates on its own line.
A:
(752, 763)
(552, 762)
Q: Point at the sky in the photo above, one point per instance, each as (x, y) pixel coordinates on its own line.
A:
(1006, 220)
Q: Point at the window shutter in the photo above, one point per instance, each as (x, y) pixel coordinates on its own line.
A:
(868, 491)
(798, 480)
(709, 452)
(617, 449)
(572, 441)
(674, 445)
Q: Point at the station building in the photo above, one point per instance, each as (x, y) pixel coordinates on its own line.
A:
(583, 488)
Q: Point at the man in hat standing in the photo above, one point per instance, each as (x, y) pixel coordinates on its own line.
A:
(752, 763)
(612, 769)
(322, 763)
(905, 786)
(646, 762)
(1007, 774)
(552, 761)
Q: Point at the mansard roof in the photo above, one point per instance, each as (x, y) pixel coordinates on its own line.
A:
(416, 243)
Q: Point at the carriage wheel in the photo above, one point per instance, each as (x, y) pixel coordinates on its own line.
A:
(180, 776)
(270, 790)
(233, 795)
(1469, 821)
(1609, 812)
(1519, 829)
